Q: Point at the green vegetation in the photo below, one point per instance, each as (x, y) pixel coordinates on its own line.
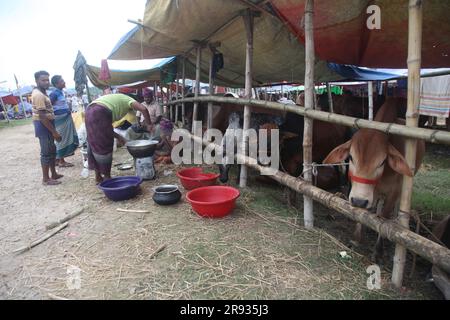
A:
(431, 195)
(14, 123)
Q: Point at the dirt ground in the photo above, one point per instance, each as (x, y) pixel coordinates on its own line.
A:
(260, 251)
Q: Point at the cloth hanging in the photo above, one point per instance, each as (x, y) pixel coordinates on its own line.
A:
(435, 96)
(105, 74)
(217, 63)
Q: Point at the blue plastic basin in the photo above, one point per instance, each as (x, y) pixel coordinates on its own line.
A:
(121, 188)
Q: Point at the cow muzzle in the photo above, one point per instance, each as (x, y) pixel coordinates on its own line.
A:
(360, 203)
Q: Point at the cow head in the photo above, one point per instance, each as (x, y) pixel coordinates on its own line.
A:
(369, 152)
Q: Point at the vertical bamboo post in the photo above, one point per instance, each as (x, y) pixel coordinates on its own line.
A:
(330, 97)
(183, 83)
(210, 88)
(155, 97)
(169, 86)
(248, 22)
(370, 96)
(197, 85)
(176, 96)
(414, 64)
(167, 107)
(309, 103)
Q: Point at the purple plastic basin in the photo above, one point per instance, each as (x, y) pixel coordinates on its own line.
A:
(121, 188)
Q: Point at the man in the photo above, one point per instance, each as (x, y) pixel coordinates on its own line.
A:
(63, 123)
(100, 115)
(44, 125)
(151, 105)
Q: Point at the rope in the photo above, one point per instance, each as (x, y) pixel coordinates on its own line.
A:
(314, 168)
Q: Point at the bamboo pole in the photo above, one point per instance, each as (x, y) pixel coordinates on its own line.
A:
(176, 95)
(183, 83)
(389, 229)
(66, 218)
(309, 104)
(41, 239)
(414, 63)
(169, 93)
(370, 96)
(155, 90)
(197, 85)
(248, 22)
(210, 87)
(429, 135)
(21, 98)
(330, 97)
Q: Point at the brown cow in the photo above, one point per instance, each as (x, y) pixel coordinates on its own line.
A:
(376, 167)
(326, 136)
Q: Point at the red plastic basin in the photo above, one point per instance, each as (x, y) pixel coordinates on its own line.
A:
(213, 201)
(192, 178)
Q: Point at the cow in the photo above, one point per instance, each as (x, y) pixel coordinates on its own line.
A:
(326, 136)
(358, 107)
(258, 121)
(376, 167)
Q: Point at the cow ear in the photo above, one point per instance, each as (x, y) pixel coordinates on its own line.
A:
(339, 154)
(397, 162)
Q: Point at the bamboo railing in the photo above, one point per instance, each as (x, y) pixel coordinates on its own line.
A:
(429, 135)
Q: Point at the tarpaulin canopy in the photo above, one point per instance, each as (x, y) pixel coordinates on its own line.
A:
(23, 91)
(365, 74)
(341, 34)
(8, 98)
(169, 28)
(123, 77)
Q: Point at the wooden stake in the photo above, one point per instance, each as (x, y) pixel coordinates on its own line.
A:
(132, 211)
(309, 104)
(66, 218)
(158, 251)
(414, 64)
(41, 239)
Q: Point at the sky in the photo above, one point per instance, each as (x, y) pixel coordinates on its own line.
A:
(47, 34)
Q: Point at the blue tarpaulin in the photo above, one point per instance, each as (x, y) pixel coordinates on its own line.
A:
(362, 74)
(355, 73)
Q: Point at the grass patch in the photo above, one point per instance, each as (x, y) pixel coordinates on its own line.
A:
(431, 193)
(14, 123)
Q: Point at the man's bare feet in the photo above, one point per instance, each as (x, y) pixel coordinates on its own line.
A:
(57, 176)
(51, 182)
(65, 164)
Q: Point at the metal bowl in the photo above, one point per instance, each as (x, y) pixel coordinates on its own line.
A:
(141, 148)
(166, 194)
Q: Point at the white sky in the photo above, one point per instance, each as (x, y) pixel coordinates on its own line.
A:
(47, 34)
